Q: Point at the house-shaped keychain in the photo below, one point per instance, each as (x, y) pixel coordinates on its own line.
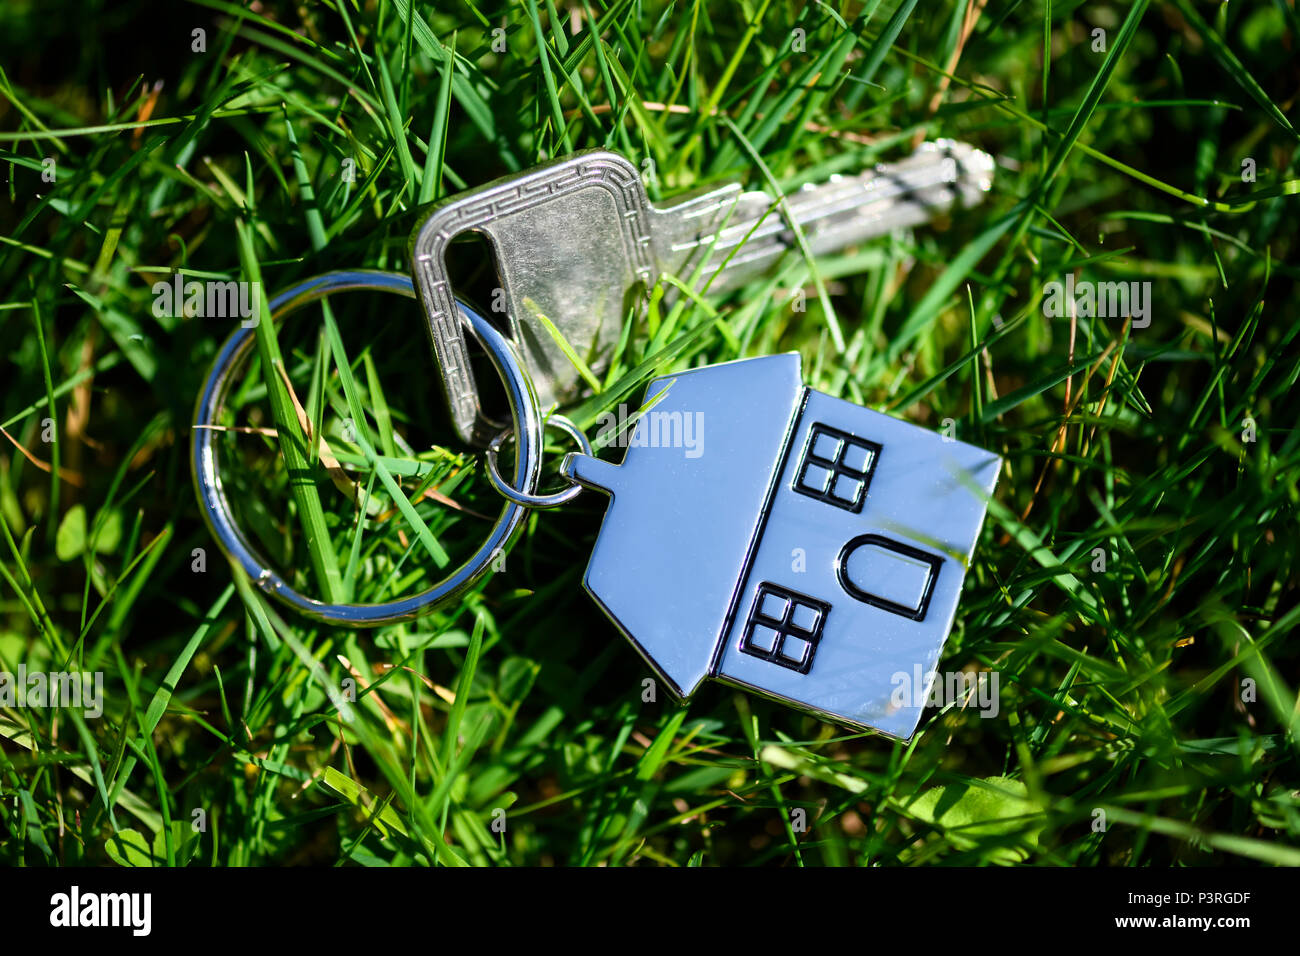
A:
(801, 547)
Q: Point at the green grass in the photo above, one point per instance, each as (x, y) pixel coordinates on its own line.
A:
(1159, 693)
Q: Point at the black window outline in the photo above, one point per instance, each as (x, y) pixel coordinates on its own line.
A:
(836, 466)
(784, 627)
(902, 610)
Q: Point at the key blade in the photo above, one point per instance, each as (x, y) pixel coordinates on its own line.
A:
(834, 215)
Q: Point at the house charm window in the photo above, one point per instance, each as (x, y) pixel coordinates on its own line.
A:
(784, 627)
(837, 467)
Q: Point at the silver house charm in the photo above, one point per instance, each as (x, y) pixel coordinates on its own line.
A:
(787, 542)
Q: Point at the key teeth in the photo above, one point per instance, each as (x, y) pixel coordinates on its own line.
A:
(979, 167)
(973, 164)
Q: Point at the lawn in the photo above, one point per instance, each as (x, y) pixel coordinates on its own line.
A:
(1133, 595)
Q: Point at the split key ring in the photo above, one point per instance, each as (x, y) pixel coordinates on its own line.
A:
(527, 427)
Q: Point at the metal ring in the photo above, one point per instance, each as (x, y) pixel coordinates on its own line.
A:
(525, 498)
(524, 413)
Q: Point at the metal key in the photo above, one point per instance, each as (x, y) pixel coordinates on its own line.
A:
(579, 242)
